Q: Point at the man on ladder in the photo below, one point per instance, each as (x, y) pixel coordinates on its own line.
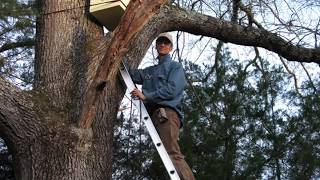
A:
(162, 91)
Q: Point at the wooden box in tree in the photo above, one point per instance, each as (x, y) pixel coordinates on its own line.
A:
(108, 12)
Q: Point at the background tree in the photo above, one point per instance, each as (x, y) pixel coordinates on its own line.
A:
(17, 22)
(62, 128)
(6, 171)
(243, 127)
(17, 30)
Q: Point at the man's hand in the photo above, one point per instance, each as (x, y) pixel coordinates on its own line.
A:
(137, 93)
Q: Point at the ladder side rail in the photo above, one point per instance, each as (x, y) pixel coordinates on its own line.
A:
(150, 127)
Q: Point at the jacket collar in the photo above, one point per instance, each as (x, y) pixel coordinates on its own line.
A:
(165, 58)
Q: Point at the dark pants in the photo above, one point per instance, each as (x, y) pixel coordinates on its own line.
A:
(169, 134)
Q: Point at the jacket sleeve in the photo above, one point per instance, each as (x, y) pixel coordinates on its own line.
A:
(175, 85)
(136, 75)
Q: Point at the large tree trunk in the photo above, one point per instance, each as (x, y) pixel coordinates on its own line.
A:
(63, 128)
(68, 50)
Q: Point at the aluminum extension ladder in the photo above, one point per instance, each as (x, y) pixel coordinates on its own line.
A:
(150, 127)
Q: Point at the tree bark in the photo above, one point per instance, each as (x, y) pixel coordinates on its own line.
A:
(43, 127)
(132, 22)
(63, 128)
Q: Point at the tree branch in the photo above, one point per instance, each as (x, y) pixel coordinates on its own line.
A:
(293, 75)
(16, 114)
(12, 45)
(235, 10)
(310, 79)
(195, 23)
(250, 15)
(137, 14)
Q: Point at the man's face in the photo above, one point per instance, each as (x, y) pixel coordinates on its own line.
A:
(163, 46)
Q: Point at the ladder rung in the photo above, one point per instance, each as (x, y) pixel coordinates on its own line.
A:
(150, 127)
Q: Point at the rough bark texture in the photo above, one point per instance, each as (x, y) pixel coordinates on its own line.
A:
(132, 22)
(43, 127)
(20, 124)
(69, 49)
(63, 128)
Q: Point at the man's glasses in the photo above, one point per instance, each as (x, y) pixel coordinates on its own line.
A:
(164, 41)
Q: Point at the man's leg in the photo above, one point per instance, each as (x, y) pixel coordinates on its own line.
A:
(169, 134)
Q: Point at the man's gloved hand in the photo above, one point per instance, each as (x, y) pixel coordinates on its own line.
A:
(137, 93)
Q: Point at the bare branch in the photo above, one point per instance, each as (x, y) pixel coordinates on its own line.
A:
(217, 59)
(199, 24)
(250, 16)
(235, 10)
(254, 60)
(25, 43)
(293, 75)
(309, 77)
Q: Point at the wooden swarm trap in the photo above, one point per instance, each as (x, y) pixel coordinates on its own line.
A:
(108, 12)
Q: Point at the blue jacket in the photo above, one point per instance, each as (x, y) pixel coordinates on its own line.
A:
(162, 84)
